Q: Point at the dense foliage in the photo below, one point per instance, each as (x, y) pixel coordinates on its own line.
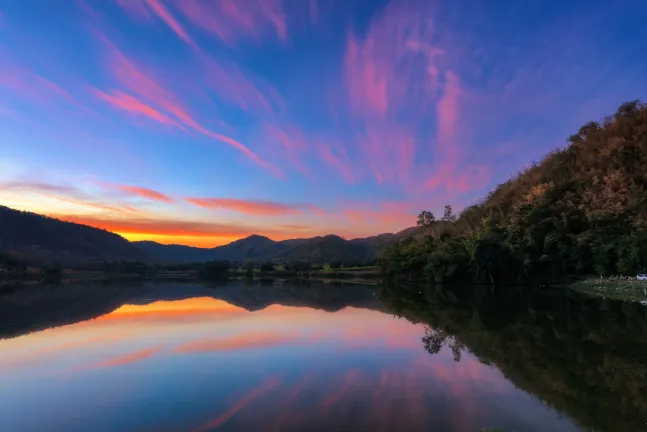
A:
(583, 356)
(214, 270)
(580, 211)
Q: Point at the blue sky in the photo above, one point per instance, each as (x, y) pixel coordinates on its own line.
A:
(199, 122)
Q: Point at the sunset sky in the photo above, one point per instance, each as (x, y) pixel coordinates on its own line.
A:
(200, 122)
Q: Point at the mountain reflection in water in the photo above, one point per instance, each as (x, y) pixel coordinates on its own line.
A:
(315, 356)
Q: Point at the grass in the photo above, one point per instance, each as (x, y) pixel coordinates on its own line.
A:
(613, 288)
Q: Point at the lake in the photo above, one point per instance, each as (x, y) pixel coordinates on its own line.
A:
(280, 356)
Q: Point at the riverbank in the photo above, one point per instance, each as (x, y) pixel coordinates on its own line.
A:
(612, 288)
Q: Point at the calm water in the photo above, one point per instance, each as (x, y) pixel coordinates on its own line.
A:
(316, 357)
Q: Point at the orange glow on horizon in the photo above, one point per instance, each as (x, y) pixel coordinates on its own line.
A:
(201, 242)
(186, 306)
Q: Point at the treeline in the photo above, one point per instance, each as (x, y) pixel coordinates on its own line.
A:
(580, 211)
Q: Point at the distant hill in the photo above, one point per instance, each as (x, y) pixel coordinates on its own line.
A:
(327, 248)
(174, 253)
(39, 238)
(252, 247)
(255, 247)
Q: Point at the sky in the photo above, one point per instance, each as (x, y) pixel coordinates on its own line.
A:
(200, 122)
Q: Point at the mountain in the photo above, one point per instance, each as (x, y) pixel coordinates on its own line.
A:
(582, 210)
(40, 238)
(174, 253)
(253, 247)
(327, 248)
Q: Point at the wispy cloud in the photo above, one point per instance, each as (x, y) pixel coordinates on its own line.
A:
(337, 159)
(232, 20)
(252, 207)
(158, 8)
(160, 103)
(144, 193)
(36, 89)
(64, 193)
(38, 187)
(129, 103)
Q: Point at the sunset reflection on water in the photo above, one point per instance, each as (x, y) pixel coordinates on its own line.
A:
(202, 364)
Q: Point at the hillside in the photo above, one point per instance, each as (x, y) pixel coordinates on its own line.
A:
(39, 238)
(252, 247)
(174, 253)
(326, 248)
(42, 239)
(319, 249)
(580, 211)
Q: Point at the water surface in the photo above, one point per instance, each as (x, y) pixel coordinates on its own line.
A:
(275, 357)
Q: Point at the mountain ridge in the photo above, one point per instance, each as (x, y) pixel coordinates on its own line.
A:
(40, 239)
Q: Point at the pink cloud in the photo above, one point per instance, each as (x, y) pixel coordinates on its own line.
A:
(145, 193)
(161, 104)
(339, 161)
(390, 77)
(136, 8)
(35, 89)
(129, 103)
(236, 88)
(288, 141)
(231, 20)
(257, 208)
(387, 71)
(38, 187)
(447, 112)
(158, 8)
(146, 9)
(451, 171)
(84, 203)
(367, 78)
(390, 151)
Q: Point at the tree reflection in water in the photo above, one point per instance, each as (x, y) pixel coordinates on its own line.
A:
(585, 357)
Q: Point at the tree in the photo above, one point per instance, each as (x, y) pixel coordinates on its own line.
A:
(214, 270)
(249, 269)
(426, 220)
(449, 215)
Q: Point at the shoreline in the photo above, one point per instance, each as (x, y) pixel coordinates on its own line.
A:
(616, 289)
